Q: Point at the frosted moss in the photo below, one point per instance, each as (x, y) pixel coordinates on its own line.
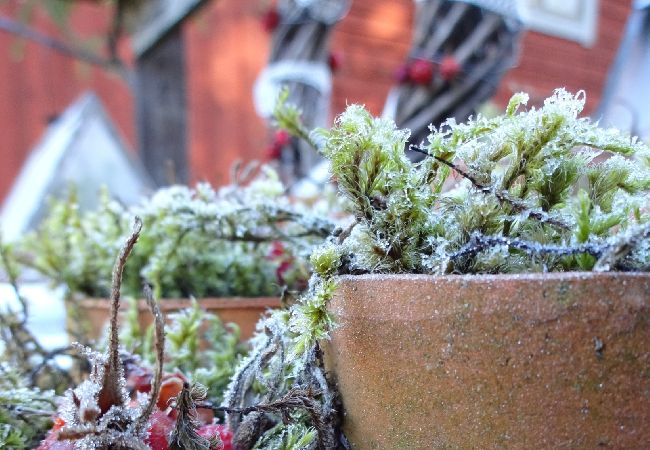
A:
(540, 178)
(530, 191)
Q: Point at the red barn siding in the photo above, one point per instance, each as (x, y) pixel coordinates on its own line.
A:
(40, 84)
(227, 48)
(549, 62)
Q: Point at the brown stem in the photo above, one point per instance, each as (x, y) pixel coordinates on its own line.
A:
(111, 391)
(159, 330)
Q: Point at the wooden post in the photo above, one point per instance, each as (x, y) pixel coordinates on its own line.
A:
(162, 109)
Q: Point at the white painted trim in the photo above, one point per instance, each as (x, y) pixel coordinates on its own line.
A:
(539, 15)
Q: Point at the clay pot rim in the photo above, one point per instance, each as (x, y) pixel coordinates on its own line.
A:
(483, 278)
(205, 303)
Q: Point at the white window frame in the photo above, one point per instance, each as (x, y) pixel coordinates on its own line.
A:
(542, 16)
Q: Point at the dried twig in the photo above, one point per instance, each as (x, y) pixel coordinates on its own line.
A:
(295, 398)
(111, 391)
(159, 330)
(185, 435)
(14, 27)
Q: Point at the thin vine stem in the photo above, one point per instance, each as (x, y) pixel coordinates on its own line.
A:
(479, 242)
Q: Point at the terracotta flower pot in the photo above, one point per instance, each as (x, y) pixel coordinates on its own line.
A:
(243, 311)
(507, 361)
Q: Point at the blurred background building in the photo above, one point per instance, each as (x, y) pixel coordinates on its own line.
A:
(223, 47)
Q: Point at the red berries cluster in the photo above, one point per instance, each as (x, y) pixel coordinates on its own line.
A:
(270, 20)
(285, 260)
(421, 71)
(161, 422)
(281, 138)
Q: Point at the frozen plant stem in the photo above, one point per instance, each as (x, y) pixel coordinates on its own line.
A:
(110, 393)
(478, 243)
(159, 330)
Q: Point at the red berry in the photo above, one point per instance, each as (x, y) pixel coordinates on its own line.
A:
(281, 138)
(282, 268)
(272, 152)
(139, 380)
(207, 431)
(51, 441)
(277, 249)
(271, 20)
(401, 75)
(421, 71)
(160, 426)
(449, 68)
(335, 60)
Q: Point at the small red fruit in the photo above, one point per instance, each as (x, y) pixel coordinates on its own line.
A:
(277, 249)
(449, 68)
(421, 71)
(272, 152)
(401, 74)
(281, 138)
(207, 431)
(51, 441)
(169, 388)
(160, 426)
(282, 269)
(335, 60)
(139, 380)
(271, 20)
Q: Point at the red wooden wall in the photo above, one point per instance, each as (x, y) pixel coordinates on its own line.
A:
(226, 49)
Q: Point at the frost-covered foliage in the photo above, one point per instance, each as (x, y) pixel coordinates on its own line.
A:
(97, 413)
(287, 437)
(538, 190)
(532, 190)
(197, 344)
(529, 191)
(25, 412)
(279, 399)
(245, 239)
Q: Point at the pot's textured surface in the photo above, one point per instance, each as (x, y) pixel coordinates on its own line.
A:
(244, 311)
(504, 361)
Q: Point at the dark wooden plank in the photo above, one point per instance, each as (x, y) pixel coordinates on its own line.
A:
(162, 109)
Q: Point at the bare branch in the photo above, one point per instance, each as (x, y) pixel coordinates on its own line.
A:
(19, 29)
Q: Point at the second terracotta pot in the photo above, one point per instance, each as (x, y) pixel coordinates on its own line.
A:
(482, 362)
(243, 311)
